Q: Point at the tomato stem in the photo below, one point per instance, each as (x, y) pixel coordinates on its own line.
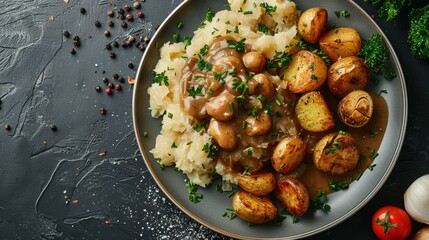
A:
(386, 223)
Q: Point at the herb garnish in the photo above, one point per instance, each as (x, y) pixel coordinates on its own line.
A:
(193, 196)
(161, 78)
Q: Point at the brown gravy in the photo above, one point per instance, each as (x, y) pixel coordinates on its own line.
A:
(256, 151)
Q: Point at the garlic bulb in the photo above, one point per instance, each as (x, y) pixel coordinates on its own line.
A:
(416, 199)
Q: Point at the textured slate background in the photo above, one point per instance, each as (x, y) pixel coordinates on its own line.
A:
(60, 185)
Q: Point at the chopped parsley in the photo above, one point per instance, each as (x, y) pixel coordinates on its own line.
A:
(268, 8)
(194, 92)
(319, 203)
(193, 196)
(161, 78)
(314, 77)
(204, 50)
(335, 147)
(187, 41)
(176, 37)
(203, 65)
(373, 155)
(336, 185)
(263, 28)
(246, 170)
(211, 149)
(280, 60)
(238, 46)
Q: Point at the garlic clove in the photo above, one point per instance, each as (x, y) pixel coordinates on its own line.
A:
(416, 200)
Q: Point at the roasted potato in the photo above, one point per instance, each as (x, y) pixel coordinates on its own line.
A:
(340, 42)
(292, 195)
(223, 133)
(306, 73)
(348, 74)
(288, 155)
(312, 24)
(260, 183)
(355, 109)
(336, 153)
(313, 113)
(252, 208)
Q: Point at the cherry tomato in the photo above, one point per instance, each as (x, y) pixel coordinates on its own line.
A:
(391, 223)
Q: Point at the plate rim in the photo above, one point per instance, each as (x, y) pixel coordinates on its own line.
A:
(365, 200)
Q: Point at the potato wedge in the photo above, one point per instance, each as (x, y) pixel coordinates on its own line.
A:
(306, 73)
(293, 195)
(312, 24)
(340, 42)
(313, 113)
(252, 208)
(348, 74)
(336, 153)
(260, 183)
(288, 155)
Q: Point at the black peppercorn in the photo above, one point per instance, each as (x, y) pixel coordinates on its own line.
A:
(97, 88)
(115, 76)
(121, 17)
(66, 34)
(106, 33)
(105, 80)
(127, 7)
(103, 110)
(110, 85)
(124, 44)
(129, 17)
(141, 47)
(97, 23)
(53, 127)
(121, 11)
(115, 44)
(72, 51)
(82, 10)
(124, 24)
(108, 46)
(110, 23)
(110, 13)
(130, 65)
(112, 55)
(76, 41)
(121, 79)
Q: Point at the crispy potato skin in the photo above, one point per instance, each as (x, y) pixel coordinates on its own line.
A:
(312, 24)
(348, 74)
(337, 159)
(355, 109)
(313, 113)
(252, 208)
(288, 155)
(260, 184)
(306, 73)
(340, 42)
(293, 195)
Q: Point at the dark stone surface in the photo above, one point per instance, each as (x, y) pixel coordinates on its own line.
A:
(86, 180)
